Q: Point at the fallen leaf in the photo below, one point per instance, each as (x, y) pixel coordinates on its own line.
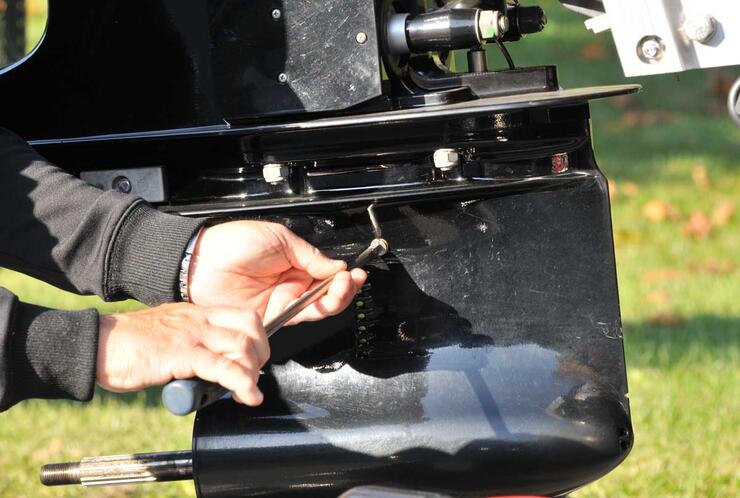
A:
(630, 189)
(722, 213)
(700, 177)
(698, 226)
(666, 320)
(659, 298)
(662, 275)
(593, 51)
(713, 266)
(658, 211)
(612, 190)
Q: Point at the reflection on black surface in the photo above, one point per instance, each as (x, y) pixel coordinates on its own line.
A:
(396, 327)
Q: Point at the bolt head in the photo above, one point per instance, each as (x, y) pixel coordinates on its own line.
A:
(445, 159)
(122, 184)
(700, 28)
(650, 49)
(276, 14)
(361, 37)
(282, 78)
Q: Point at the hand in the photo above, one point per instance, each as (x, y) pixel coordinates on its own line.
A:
(264, 267)
(180, 341)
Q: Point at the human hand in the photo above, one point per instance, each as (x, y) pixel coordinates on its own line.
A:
(180, 341)
(264, 267)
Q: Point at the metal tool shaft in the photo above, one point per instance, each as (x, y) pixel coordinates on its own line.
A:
(121, 469)
(185, 396)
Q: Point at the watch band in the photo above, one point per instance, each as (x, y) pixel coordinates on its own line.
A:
(185, 267)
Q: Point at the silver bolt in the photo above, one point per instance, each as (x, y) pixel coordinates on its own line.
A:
(361, 38)
(700, 28)
(122, 184)
(282, 78)
(650, 49)
(445, 159)
(276, 14)
(274, 173)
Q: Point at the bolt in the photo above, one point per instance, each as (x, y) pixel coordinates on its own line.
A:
(282, 78)
(274, 173)
(700, 28)
(445, 159)
(122, 184)
(650, 49)
(361, 37)
(276, 14)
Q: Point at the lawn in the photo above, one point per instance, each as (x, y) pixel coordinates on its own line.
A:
(673, 159)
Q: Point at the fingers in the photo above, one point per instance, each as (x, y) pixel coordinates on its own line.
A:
(214, 367)
(304, 256)
(248, 330)
(342, 290)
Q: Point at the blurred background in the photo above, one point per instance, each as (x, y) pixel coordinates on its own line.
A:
(673, 159)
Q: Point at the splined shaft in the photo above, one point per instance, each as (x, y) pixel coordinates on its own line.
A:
(121, 469)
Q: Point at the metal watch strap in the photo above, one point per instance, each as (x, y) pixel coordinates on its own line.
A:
(185, 267)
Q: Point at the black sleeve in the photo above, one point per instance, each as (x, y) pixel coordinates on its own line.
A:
(45, 353)
(57, 228)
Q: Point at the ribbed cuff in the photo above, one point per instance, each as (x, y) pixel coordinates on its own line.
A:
(144, 260)
(51, 354)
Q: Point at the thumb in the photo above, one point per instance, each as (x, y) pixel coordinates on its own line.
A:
(308, 258)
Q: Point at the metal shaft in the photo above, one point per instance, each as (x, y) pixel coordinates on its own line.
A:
(121, 469)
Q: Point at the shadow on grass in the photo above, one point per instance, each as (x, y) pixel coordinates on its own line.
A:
(701, 338)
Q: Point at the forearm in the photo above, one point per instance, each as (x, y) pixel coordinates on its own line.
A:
(45, 353)
(60, 229)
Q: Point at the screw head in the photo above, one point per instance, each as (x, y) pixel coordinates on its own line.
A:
(361, 37)
(650, 49)
(282, 78)
(122, 184)
(276, 14)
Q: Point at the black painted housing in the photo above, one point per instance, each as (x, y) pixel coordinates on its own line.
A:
(485, 355)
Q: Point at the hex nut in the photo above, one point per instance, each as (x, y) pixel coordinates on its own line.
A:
(700, 28)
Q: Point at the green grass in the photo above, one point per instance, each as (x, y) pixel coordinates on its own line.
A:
(683, 376)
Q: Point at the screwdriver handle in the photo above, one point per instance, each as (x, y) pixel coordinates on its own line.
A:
(188, 395)
(185, 396)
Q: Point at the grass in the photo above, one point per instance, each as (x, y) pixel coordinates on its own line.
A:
(680, 298)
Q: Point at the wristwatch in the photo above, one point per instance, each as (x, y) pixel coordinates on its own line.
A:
(185, 267)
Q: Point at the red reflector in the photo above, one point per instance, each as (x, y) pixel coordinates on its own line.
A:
(560, 162)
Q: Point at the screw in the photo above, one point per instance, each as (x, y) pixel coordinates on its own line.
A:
(122, 184)
(276, 14)
(282, 78)
(650, 49)
(361, 38)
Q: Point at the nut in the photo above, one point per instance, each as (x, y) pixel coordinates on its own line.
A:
(700, 28)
